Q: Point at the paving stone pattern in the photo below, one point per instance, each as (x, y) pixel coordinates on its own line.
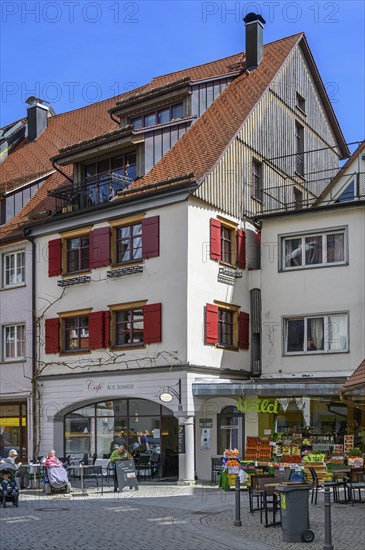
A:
(161, 517)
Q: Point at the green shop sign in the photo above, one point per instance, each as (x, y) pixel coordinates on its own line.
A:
(258, 405)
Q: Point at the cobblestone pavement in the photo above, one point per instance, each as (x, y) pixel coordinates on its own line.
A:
(164, 517)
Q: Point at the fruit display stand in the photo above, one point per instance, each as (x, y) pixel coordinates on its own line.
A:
(230, 469)
(258, 448)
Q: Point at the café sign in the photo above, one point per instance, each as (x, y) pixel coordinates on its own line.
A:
(258, 405)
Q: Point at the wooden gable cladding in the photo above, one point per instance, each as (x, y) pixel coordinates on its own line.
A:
(244, 330)
(54, 257)
(152, 323)
(151, 237)
(52, 335)
(211, 324)
(99, 329)
(100, 247)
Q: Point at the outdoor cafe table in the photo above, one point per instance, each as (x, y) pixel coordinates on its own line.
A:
(80, 470)
(268, 486)
(34, 470)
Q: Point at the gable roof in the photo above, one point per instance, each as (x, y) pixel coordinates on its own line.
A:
(341, 173)
(197, 151)
(202, 145)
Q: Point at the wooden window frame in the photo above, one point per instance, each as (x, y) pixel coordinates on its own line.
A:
(66, 237)
(299, 150)
(118, 308)
(234, 310)
(64, 316)
(116, 231)
(231, 227)
(256, 186)
(300, 103)
(156, 113)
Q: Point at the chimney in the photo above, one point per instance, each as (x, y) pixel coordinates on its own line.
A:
(38, 114)
(254, 40)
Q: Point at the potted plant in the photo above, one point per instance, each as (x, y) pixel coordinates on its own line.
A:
(355, 458)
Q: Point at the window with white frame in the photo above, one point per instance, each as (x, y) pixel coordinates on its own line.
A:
(316, 334)
(14, 341)
(315, 249)
(13, 268)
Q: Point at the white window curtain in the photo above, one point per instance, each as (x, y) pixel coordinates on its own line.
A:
(316, 326)
(337, 332)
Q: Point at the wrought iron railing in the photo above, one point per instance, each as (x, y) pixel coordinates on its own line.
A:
(90, 192)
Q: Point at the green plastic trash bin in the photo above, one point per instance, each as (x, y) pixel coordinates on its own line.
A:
(294, 505)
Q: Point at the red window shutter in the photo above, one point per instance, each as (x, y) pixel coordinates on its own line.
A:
(244, 328)
(100, 247)
(52, 335)
(241, 249)
(96, 330)
(152, 323)
(106, 329)
(211, 324)
(54, 257)
(215, 240)
(151, 237)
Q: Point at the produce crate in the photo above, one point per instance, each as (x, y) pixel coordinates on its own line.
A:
(319, 467)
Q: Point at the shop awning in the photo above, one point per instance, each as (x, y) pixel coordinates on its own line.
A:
(268, 388)
(356, 380)
(353, 391)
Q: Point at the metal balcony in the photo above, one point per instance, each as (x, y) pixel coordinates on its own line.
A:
(89, 193)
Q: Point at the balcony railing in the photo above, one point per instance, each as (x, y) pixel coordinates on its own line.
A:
(91, 192)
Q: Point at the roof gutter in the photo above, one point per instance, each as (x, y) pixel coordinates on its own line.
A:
(60, 172)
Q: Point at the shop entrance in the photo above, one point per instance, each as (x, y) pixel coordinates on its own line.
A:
(13, 429)
(143, 426)
(231, 430)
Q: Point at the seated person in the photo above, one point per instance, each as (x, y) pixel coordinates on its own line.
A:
(120, 453)
(7, 485)
(52, 461)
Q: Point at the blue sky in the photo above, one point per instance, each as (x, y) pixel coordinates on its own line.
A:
(75, 52)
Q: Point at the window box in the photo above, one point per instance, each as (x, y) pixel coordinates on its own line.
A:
(327, 248)
(315, 334)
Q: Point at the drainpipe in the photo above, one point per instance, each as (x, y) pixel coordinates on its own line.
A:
(35, 397)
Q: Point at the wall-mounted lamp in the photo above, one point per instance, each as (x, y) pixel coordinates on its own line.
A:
(169, 392)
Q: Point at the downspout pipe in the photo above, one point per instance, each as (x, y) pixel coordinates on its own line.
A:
(35, 403)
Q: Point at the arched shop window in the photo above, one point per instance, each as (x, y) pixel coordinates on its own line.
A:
(231, 430)
(94, 428)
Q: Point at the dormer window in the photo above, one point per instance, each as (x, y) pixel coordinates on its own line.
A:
(159, 116)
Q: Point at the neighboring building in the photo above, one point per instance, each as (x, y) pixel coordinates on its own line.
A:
(147, 281)
(313, 308)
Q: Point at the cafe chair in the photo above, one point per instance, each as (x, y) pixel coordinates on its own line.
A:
(356, 482)
(316, 485)
(216, 469)
(144, 467)
(105, 466)
(155, 464)
(94, 473)
(254, 492)
(269, 500)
